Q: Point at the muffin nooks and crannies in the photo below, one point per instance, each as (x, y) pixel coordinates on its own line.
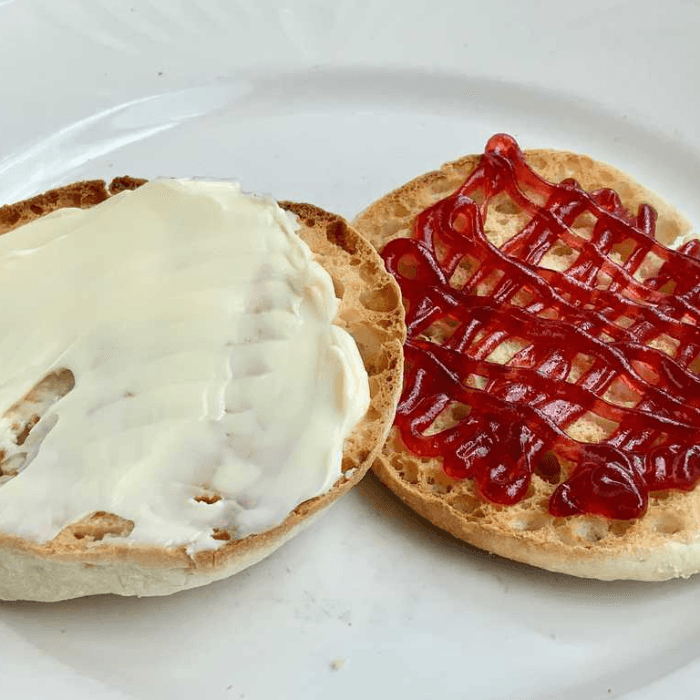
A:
(550, 409)
(182, 389)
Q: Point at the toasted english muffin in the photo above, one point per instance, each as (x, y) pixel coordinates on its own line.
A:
(94, 555)
(664, 540)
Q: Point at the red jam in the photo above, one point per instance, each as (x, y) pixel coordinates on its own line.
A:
(599, 316)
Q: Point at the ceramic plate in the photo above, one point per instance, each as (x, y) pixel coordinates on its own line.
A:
(336, 103)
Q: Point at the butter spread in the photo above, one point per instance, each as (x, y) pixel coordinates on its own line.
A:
(207, 366)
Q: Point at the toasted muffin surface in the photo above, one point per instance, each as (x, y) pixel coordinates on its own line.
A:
(93, 555)
(662, 544)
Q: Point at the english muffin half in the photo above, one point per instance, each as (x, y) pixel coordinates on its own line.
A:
(161, 430)
(551, 403)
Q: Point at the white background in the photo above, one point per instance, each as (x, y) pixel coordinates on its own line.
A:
(335, 103)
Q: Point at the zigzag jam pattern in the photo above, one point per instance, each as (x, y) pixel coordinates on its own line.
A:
(612, 340)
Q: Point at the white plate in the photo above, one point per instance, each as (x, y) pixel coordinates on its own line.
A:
(336, 103)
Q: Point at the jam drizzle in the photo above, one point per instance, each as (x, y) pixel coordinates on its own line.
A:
(599, 318)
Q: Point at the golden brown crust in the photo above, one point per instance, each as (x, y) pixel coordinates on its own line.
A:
(370, 309)
(663, 544)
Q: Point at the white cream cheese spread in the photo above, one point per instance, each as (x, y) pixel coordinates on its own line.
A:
(200, 333)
